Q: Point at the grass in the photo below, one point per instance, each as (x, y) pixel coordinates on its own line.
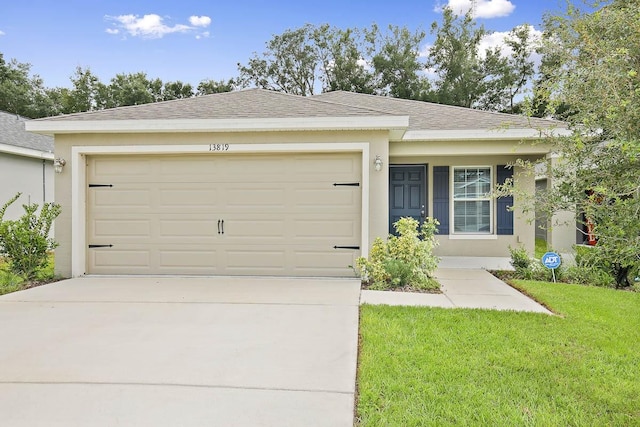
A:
(540, 248)
(431, 366)
(10, 282)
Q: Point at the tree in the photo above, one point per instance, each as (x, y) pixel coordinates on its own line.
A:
(593, 71)
(288, 65)
(396, 62)
(455, 59)
(128, 89)
(176, 90)
(21, 93)
(342, 63)
(208, 87)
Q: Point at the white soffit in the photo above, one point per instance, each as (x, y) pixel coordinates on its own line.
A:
(482, 134)
(395, 124)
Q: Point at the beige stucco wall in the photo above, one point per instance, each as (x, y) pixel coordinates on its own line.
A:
(524, 227)
(31, 176)
(377, 140)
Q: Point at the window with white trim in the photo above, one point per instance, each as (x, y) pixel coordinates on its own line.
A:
(472, 211)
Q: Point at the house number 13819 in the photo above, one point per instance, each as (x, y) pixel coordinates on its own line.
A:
(218, 147)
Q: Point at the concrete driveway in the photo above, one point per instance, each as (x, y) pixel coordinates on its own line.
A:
(180, 352)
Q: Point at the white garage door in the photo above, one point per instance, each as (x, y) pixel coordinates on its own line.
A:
(286, 214)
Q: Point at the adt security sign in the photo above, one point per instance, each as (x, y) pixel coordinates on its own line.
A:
(551, 260)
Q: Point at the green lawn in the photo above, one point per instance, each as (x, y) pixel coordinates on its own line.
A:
(430, 366)
(540, 249)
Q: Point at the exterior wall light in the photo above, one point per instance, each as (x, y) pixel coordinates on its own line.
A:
(377, 163)
(58, 164)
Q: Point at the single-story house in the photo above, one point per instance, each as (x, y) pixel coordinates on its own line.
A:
(26, 165)
(257, 182)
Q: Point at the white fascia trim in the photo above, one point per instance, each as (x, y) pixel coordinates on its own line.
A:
(79, 181)
(392, 123)
(482, 134)
(26, 152)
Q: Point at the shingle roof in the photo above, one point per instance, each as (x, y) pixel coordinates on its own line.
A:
(430, 116)
(12, 133)
(266, 104)
(243, 104)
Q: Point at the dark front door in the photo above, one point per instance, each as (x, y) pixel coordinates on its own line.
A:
(407, 193)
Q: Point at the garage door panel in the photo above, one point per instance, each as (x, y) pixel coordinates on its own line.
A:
(282, 214)
(255, 196)
(327, 199)
(327, 230)
(121, 168)
(119, 198)
(117, 228)
(316, 262)
(189, 228)
(188, 260)
(187, 196)
(108, 260)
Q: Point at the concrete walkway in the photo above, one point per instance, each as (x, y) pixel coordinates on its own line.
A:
(180, 352)
(461, 288)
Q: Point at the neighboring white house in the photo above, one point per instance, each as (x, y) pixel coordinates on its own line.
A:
(26, 165)
(256, 182)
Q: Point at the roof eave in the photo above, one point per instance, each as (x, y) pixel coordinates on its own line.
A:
(484, 134)
(395, 124)
(26, 152)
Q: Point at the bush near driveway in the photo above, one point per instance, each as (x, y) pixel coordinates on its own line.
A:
(438, 367)
(404, 261)
(25, 243)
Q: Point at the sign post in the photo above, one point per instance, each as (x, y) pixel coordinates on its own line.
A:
(551, 260)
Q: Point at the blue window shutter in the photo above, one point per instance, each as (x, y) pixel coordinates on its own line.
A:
(441, 197)
(505, 215)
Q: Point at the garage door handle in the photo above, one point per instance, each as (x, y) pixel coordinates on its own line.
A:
(223, 226)
(218, 226)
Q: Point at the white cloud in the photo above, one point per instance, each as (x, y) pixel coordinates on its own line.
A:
(152, 26)
(497, 39)
(200, 21)
(482, 8)
(202, 35)
(2, 33)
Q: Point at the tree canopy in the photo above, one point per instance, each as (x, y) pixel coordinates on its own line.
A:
(591, 79)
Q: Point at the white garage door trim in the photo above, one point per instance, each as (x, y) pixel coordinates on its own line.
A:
(79, 180)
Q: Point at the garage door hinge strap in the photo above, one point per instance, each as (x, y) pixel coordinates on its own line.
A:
(100, 246)
(346, 184)
(100, 185)
(347, 247)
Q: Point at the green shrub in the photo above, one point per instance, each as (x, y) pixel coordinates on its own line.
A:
(520, 259)
(25, 243)
(405, 260)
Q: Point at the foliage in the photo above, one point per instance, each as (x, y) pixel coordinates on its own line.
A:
(208, 87)
(454, 57)
(25, 243)
(396, 63)
(341, 62)
(429, 366)
(22, 93)
(405, 260)
(589, 268)
(288, 65)
(591, 74)
(520, 259)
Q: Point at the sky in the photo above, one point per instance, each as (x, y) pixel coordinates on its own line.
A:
(193, 40)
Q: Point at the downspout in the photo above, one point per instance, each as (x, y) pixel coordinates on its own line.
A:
(44, 181)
